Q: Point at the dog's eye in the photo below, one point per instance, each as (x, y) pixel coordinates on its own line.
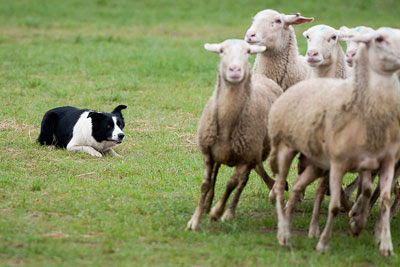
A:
(108, 126)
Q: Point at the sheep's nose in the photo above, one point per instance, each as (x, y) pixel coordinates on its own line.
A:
(351, 54)
(121, 136)
(312, 53)
(250, 35)
(235, 69)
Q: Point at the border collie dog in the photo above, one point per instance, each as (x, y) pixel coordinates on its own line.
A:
(83, 130)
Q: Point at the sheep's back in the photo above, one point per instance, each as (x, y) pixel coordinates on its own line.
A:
(298, 117)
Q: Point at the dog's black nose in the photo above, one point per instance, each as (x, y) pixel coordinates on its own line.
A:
(121, 136)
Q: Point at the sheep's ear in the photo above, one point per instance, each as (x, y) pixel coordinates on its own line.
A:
(364, 38)
(345, 34)
(296, 19)
(215, 48)
(344, 29)
(254, 49)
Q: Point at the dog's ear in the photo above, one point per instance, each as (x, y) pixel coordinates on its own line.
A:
(118, 109)
(96, 116)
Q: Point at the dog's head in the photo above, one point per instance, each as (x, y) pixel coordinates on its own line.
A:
(107, 127)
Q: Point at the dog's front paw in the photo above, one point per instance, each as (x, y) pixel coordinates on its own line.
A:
(96, 154)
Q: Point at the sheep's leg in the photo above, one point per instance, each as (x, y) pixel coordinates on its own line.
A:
(345, 202)
(359, 213)
(230, 212)
(374, 197)
(396, 202)
(382, 228)
(351, 187)
(284, 157)
(210, 194)
(302, 181)
(264, 175)
(319, 197)
(194, 222)
(218, 209)
(335, 184)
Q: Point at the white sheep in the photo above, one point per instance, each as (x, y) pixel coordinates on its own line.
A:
(351, 46)
(233, 127)
(342, 126)
(324, 54)
(326, 58)
(281, 61)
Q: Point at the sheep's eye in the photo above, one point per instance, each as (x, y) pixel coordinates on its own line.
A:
(248, 51)
(221, 50)
(334, 38)
(379, 39)
(278, 21)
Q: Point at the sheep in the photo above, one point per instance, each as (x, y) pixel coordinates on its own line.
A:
(281, 61)
(351, 50)
(326, 58)
(341, 126)
(351, 46)
(233, 126)
(324, 54)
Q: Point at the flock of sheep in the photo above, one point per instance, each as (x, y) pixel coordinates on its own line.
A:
(338, 117)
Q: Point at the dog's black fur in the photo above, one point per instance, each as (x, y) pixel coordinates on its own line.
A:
(58, 125)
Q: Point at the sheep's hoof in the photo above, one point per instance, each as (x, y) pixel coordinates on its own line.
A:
(215, 214)
(284, 234)
(284, 239)
(322, 248)
(314, 231)
(229, 214)
(386, 248)
(192, 225)
(357, 223)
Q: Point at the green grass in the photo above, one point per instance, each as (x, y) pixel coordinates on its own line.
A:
(64, 208)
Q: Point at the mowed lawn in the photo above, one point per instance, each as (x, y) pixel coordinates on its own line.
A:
(64, 208)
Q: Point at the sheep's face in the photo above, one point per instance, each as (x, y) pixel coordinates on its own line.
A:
(271, 29)
(234, 65)
(351, 47)
(322, 45)
(383, 50)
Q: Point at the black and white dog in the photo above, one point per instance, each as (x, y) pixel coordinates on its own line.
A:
(83, 130)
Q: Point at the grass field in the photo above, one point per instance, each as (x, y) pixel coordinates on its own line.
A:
(64, 208)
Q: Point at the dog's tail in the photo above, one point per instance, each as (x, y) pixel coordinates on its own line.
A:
(47, 129)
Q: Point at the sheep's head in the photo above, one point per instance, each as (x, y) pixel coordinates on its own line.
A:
(234, 65)
(322, 45)
(271, 28)
(347, 34)
(383, 49)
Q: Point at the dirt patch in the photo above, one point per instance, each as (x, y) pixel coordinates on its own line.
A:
(56, 235)
(11, 124)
